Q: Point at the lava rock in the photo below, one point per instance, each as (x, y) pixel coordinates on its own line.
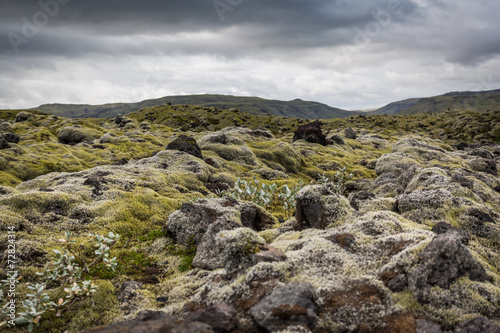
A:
(444, 260)
(478, 325)
(462, 180)
(72, 135)
(356, 198)
(10, 137)
(483, 153)
(230, 249)
(443, 227)
(426, 326)
(337, 139)
(311, 133)
(269, 254)
(146, 315)
(318, 206)
(186, 144)
(128, 290)
(349, 133)
(23, 116)
(166, 324)
(290, 305)
(221, 317)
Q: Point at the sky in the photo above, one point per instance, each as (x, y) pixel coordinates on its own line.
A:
(345, 53)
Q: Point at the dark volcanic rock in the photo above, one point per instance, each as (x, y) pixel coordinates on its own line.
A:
(166, 324)
(4, 144)
(478, 325)
(311, 133)
(426, 326)
(356, 198)
(10, 137)
(443, 261)
(480, 152)
(290, 305)
(317, 207)
(221, 317)
(462, 180)
(337, 139)
(398, 283)
(190, 223)
(186, 144)
(269, 254)
(349, 133)
(443, 227)
(146, 315)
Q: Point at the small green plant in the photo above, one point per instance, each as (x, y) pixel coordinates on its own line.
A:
(66, 270)
(338, 184)
(270, 197)
(186, 253)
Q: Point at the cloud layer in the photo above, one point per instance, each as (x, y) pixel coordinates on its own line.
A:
(348, 54)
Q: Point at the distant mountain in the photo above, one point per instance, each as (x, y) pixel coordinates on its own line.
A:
(396, 107)
(253, 105)
(459, 100)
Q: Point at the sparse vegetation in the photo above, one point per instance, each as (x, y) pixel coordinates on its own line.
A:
(66, 271)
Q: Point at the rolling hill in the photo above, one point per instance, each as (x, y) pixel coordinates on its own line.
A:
(253, 105)
(463, 100)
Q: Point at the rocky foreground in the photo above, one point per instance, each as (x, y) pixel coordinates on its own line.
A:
(416, 249)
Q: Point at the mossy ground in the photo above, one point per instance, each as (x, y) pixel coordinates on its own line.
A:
(137, 200)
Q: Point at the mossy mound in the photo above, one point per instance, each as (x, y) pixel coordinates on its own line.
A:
(120, 178)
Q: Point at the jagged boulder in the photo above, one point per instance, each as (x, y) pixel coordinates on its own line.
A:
(72, 135)
(229, 249)
(186, 144)
(424, 204)
(191, 222)
(484, 165)
(478, 325)
(7, 138)
(222, 317)
(228, 146)
(442, 261)
(337, 139)
(349, 133)
(10, 137)
(287, 306)
(318, 207)
(165, 324)
(23, 116)
(311, 133)
(108, 138)
(355, 199)
(5, 127)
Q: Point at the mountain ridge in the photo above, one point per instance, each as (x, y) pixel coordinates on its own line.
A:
(458, 100)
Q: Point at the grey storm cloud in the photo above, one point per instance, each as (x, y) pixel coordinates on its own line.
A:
(345, 53)
(266, 24)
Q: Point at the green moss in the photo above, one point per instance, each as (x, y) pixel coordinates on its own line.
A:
(40, 202)
(186, 255)
(407, 301)
(130, 263)
(274, 152)
(99, 310)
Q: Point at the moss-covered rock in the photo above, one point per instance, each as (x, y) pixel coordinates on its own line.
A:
(318, 207)
(72, 135)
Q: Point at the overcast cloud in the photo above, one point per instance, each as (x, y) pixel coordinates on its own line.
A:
(345, 53)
